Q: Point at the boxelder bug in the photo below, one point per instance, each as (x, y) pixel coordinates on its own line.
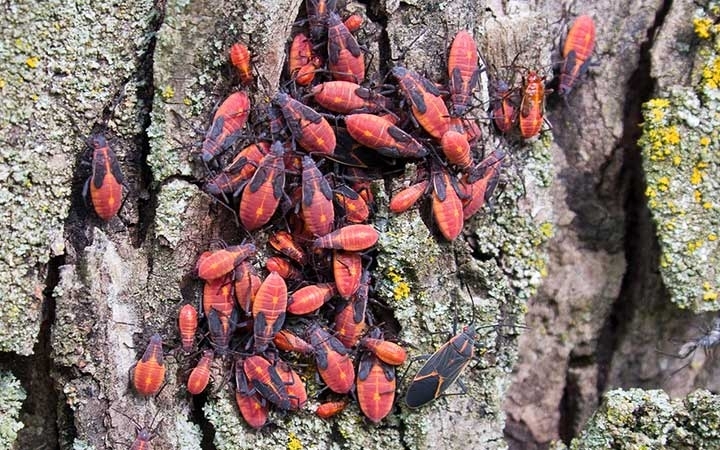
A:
(463, 71)
(351, 238)
(200, 375)
(317, 205)
(328, 409)
(105, 183)
(269, 310)
(240, 58)
(187, 323)
(262, 194)
(332, 359)
(252, 406)
(149, 372)
(532, 106)
(380, 134)
(346, 60)
(578, 48)
(227, 125)
(375, 387)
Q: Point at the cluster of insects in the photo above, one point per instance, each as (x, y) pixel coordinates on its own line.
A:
(303, 177)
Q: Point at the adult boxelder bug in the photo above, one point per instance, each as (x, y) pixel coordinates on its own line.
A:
(227, 125)
(269, 310)
(240, 58)
(347, 270)
(308, 128)
(446, 205)
(266, 380)
(388, 352)
(346, 60)
(328, 409)
(375, 387)
(463, 71)
(332, 359)
(283, 242)
(442, 369)
(221, 262)
(252, 406)
(352, 238)
(309, 298)
(263, 193)
(406, 198)
(578, 48)
(149, 372)
(345, 97)
(532, 106)
(187, 323)
(426, 105)
(317, 197)
(200, 375)
(380, 134)
(105, 183)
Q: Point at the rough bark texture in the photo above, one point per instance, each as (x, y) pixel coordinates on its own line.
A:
(81, 298)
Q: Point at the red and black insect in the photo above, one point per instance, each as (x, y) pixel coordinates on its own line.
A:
(311, 131)
(105, 184)
(345, 97)
(350, 321)
(263, 193)
(463, 71)
(442, 369)
(347, 271)
(317, 13)
(352, 238)
(577, 50)
(283, 242)
(227, 125)
(446, 205)
(283, 267)
(266, 381)
(289, 342)
(200, 375)
(388, 352)
(269, 310)
(478, 186)
(532, 106)
(406, 198)
(221, 327)
(149, 373)
(346, 60)
(353, 22)
(456, 148)
(375, 387)
(233, 177)
(218, 295)
(302, 61)
(353, 207)
(252, 406)
(143, 434)
(426, 105)
(332, 359)
(246, 284)
(297, 394)
(187, 323)
(221, 262)
(317, 199)
(380, 134)
(329, 409)
(309, 298)
(240, 59)
(503, 106)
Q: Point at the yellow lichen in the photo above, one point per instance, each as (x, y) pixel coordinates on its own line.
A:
(704, 141)
(663, 184)
(696, 177)
(703, 27)
(697, 195)
(707, 205)
(187, 101)
(2, 83)
(547, 230)
(32, 62)
(694, 245)
(167, 93)
(671, 135)
(650, 192)
(711, 74)
(293, 442)
(677, 159)
(712, 237)
(401, 291)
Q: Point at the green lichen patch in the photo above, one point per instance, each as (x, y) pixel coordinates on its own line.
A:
(681, 161)
(12, 396)
(639, 419)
